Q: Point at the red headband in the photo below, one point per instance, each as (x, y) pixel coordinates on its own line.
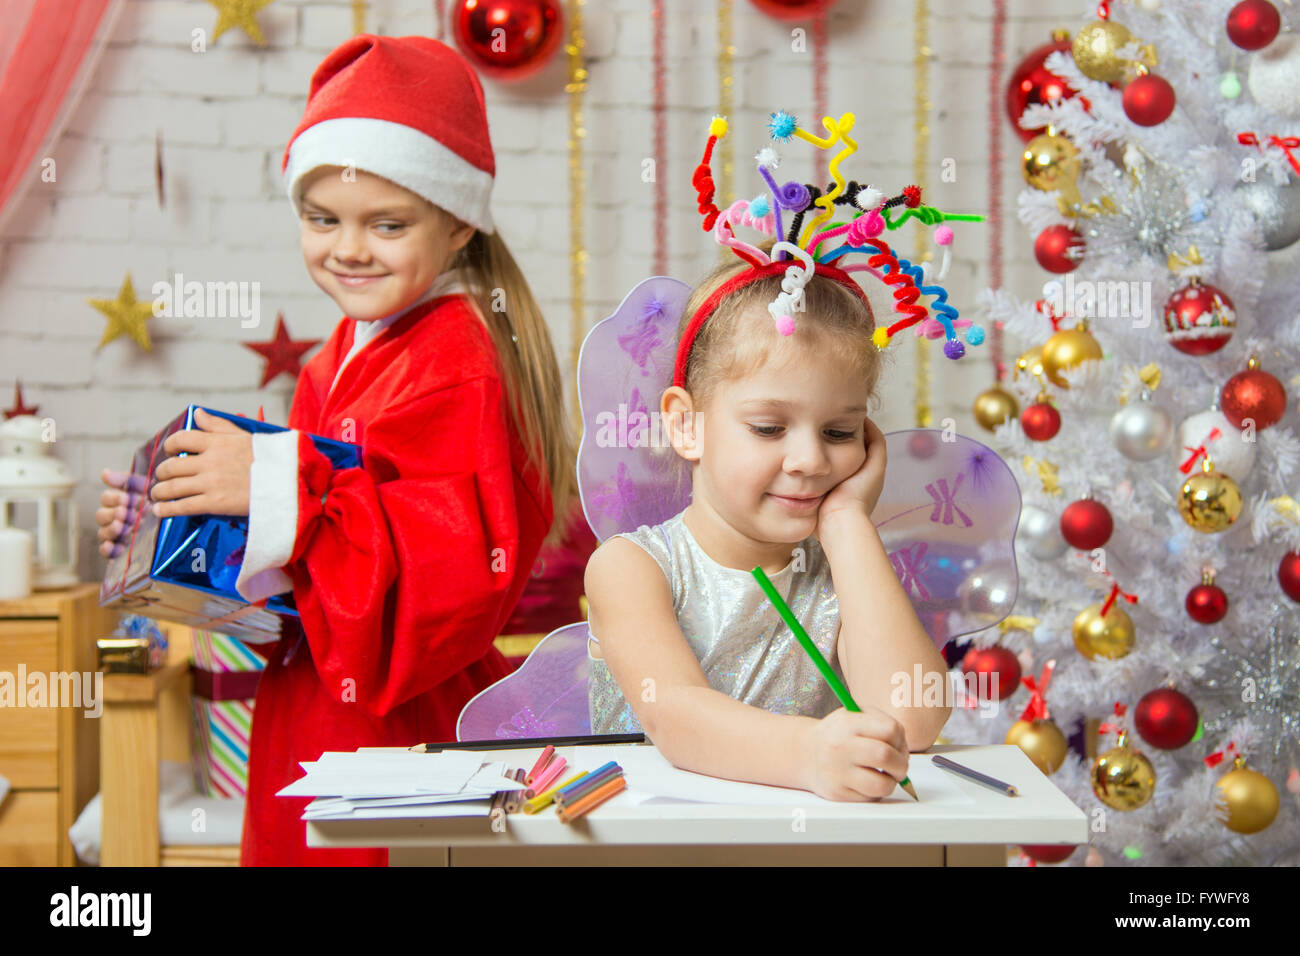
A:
(753, 274)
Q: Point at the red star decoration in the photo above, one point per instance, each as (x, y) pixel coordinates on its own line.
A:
(19, 408)
(282, 353)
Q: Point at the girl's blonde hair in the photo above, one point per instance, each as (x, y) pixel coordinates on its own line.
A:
(740, 336)
(528, 364)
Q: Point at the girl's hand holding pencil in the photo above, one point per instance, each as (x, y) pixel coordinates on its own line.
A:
(855, 755)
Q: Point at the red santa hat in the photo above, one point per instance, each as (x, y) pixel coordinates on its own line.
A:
(409, 109)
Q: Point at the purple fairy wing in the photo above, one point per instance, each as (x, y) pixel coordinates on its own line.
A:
(947, 516)
(545, 697)
(628, 473)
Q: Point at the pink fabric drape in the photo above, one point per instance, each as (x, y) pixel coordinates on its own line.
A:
(48, 51)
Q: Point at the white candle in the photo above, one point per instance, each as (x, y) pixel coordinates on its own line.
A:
(15, 564)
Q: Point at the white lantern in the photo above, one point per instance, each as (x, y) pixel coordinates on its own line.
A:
(36, 495)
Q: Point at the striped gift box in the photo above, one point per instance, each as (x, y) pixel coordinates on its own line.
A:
(225, 681)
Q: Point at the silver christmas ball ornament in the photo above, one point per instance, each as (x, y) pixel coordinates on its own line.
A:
(1276, 207)
(1039, 533)
(1142, 430)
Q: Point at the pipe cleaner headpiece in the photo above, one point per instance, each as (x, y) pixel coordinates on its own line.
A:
(807, 250)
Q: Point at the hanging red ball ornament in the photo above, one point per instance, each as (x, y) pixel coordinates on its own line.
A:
(1048, 852)
(1207, 603)
(1288, 575)
(1199, 319)
(1253, 24)
(1031, 83)
(990, 661)
(1059, 249)
(1166, 718)
(1040, 421)
(1086, 524)
(1149, 100)
(508, 39)
(792, 9)
(1253, 394)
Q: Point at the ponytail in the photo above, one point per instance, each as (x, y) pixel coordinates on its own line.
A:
(528, 365)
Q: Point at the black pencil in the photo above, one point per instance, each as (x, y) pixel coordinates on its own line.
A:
(941, 761)
(521, 743)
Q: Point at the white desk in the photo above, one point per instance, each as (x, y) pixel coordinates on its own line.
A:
(894, 832)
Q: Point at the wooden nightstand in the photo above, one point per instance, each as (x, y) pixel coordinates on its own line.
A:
(49, 754)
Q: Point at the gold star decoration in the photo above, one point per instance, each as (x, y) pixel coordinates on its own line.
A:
(239, 13)
(127, 315)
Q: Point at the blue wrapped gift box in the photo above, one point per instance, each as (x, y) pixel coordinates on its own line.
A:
(183, 569)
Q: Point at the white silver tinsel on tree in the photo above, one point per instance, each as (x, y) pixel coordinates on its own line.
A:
(1172, 186)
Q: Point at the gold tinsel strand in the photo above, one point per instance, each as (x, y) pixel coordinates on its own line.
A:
(576, 86)
(359, 16)
(726, 93)
(920, 159)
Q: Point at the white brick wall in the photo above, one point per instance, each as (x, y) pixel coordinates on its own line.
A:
(225, 115)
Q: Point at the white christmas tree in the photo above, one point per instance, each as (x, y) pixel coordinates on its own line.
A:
(1181, 279)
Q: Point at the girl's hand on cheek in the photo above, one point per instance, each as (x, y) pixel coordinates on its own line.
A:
(858, 493)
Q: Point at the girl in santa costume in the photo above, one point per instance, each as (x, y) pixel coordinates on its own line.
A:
(405, 569)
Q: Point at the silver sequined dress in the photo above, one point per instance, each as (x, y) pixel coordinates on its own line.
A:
(744, 647)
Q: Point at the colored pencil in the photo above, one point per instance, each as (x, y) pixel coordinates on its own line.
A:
(579, 790)
(548, 777)
(592, 800)
(543, 800)
(811, 650)
(515, 798)
(528, 743)
(1002, 787)
(599, 770)
(542, 761)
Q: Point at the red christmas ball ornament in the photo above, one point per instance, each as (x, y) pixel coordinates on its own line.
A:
(508, 39)
(1048, 852)
(1288, 575)
(791, 9)
(1149, 100)
(1032, 83)
(1040, 421)
(995, 660)
(1059, 248)
(1166, 718)
(1086, 524)
(1253, 24)
(1253, 394)
(1207, 603)
(922, 444)
(1199, 319)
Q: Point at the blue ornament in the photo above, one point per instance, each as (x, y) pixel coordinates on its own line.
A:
(782, 125)
(1198, 211)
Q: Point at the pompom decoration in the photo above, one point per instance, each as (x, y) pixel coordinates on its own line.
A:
(975, 335)
(1253, 24)
(868, 198)
(782, 125)
(953, 349)
(1288, 575)
(1166, 718)
(943, 235)
(1086, 524)
(1058, 249)
(1255, 395)
(1149, 100)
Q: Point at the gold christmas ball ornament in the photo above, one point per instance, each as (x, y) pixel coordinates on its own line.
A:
(1245, 800)
(1209, 501)
(1050, 162)
(1068, 348)
(1110, 637)
(995, 405)
(1030, 363)
(1122, 778)
(1096, 49)
(1042, 741)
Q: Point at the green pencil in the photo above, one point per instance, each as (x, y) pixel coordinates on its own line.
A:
(810, 648)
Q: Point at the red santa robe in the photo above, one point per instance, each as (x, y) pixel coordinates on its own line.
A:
(403, 570)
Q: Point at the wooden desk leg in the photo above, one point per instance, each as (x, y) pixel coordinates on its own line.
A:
(129, 782)
(970, 854)
(418, 856)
